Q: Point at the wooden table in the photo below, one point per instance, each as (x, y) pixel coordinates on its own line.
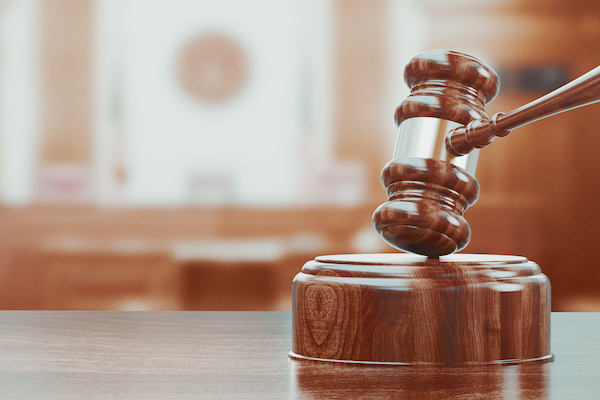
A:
(243, 355)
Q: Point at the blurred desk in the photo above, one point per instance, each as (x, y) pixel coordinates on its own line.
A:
(243, 355)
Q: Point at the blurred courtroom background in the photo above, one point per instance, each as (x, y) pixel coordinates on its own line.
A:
(193, 154)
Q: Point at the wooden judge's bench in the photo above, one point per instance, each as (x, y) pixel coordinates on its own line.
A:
(67, 258)
(90, 258)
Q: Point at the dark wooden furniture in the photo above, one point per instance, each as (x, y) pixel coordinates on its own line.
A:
(244, 355)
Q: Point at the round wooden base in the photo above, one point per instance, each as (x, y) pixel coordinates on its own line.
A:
(404, 309)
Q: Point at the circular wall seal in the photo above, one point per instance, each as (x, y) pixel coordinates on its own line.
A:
(213, 67)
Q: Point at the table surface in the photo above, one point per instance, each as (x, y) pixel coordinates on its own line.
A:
(243, 355)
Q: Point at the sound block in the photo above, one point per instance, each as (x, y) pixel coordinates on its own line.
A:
(405, 309)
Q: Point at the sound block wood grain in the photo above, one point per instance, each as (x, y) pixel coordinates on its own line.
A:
(405, 309)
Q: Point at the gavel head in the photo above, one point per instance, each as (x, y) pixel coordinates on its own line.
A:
(428, 189)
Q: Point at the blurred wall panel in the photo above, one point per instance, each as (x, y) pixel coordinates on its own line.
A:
(20, 107)
(207, 91)
(65, 164)
(362, 69)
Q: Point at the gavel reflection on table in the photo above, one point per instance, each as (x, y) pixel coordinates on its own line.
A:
(425, 305)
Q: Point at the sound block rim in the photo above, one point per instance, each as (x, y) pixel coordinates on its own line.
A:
(404, 259)
(538, 360)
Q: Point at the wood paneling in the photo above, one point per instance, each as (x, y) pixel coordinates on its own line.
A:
(361, 64)
(66, 72)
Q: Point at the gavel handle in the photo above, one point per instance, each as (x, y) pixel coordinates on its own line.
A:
(480, 133)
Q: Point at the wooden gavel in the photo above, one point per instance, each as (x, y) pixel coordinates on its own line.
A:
(442, 123)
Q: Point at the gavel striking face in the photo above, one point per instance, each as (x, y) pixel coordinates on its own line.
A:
(442, 124)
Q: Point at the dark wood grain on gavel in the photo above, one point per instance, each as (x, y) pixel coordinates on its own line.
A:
(583, 91)
(427, 198)
(447, 85)
(426, 202)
